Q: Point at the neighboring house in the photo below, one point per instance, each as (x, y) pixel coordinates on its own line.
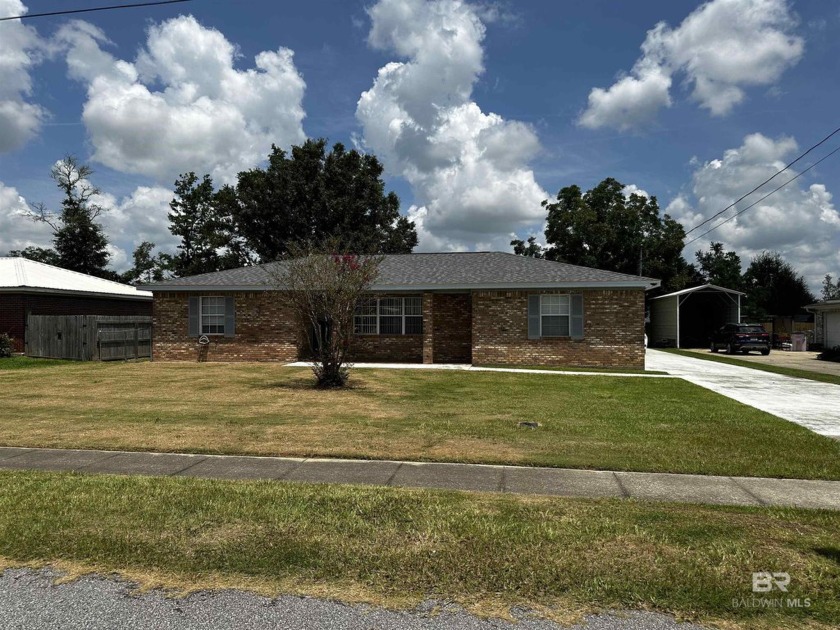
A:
(484, 308)
(33, 288)
(827, 323)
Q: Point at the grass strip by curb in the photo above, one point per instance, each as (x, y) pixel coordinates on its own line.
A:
(396, 547)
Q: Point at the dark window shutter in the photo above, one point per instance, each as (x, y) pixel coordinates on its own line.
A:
(193, 316)
(576, 319)
(230, 317)
(533, 317)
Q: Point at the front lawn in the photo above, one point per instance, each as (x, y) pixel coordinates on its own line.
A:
(397, 547)
(620, 423)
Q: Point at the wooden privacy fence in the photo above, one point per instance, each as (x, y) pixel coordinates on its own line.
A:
(89, 337)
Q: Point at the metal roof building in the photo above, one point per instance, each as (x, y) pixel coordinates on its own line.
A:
(687, 318)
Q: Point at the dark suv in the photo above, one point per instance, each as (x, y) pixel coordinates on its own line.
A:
(741, 338)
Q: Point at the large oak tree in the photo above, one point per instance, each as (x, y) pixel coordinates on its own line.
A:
(774, 287)
(607, 229)
(312, 194)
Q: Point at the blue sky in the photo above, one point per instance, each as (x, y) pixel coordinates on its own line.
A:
(478, 110)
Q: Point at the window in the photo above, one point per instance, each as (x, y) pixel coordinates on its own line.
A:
(366, 317)
(212, 316)
(554, 315)
(389, 316)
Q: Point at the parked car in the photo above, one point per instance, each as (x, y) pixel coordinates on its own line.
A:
(741, 338)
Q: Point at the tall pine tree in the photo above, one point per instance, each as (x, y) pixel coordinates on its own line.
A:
(206, 236)
(78, 240)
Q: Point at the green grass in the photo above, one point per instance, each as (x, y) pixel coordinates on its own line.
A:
(397, 547)
(25, 363)
(776, 369)
(657, 425)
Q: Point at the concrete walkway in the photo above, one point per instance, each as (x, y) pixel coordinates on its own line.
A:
(513, 479)
(466, 367)
(812, 404)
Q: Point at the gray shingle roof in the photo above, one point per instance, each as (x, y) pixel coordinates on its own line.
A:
(406, 272)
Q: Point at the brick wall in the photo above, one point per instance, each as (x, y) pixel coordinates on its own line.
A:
(489, 327)
(613, 331)
(452, 341)
(388, 348)
(264, 330)
(15, 306)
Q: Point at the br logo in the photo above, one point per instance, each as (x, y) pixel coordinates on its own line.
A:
(765, 582)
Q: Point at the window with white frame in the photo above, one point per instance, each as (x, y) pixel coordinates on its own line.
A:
(554, 315)
(366, 317)
(389, 316)
(212, 316)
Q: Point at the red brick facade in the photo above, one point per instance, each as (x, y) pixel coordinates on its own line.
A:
(613, 334)
(485, 327)
(264, 330)
(15, 306)
(452, 339)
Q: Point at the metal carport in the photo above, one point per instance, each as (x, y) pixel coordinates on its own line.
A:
(687, 318)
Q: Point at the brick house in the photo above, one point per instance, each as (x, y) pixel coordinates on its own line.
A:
(485, 308)
(28, 287)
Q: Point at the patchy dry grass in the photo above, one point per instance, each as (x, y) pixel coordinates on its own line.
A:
(396, 546)
(586, 422)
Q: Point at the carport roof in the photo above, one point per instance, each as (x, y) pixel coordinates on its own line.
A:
(827, 305)
(702, 287)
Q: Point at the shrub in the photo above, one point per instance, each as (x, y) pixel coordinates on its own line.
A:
(5, 345)
(830, 354)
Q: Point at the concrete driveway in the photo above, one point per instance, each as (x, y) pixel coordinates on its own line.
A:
(799, 360)
(811, 404)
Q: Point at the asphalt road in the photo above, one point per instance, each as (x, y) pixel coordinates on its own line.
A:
(31, 600)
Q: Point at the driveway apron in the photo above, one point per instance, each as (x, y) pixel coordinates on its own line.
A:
(812, 404)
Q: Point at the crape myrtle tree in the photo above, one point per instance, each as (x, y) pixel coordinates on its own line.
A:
(79, 242)
(322, 286)
(607, 229)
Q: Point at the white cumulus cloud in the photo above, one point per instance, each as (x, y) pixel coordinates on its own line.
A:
(140, 216)
(127, 222)
(468, 169)
(721, 48)
(20, 49)
(17, 230)
(182, 104)
(800, 221)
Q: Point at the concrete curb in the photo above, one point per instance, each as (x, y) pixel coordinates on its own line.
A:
(704, 489)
